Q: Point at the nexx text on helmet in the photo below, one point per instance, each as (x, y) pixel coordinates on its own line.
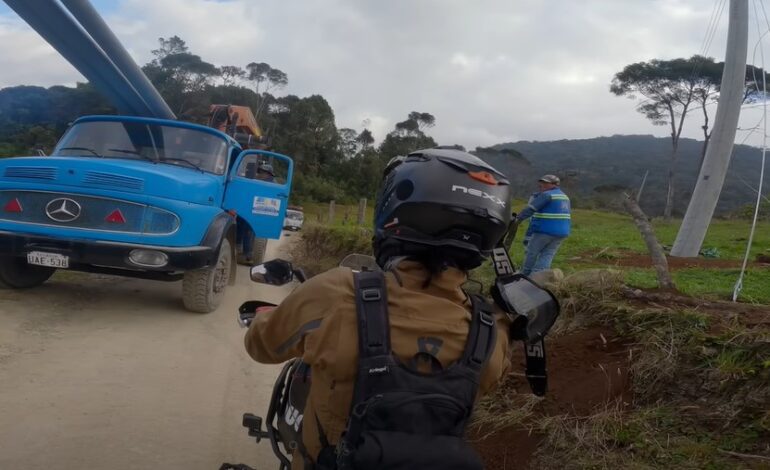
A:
(479, 193)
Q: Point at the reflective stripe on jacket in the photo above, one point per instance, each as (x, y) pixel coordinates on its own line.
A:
(554, 217)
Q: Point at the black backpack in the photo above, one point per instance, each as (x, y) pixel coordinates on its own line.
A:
(401, 418)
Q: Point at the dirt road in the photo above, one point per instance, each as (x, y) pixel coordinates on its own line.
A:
(107, 372)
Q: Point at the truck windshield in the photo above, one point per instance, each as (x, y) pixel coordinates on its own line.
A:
(290, 214)
(145, 141)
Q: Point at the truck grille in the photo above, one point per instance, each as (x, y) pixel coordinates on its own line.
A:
(112, 181)
(31, 172)
(85, 212)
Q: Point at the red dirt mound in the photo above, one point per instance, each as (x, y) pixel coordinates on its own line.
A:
(587, 369)
(627, 258)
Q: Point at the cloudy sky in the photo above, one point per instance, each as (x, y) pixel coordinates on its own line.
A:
(491, 71)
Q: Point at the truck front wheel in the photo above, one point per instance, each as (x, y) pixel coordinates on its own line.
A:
(203, 289)
(17, 274)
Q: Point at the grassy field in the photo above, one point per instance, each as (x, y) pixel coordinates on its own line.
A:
(606, 239)
(641, 383)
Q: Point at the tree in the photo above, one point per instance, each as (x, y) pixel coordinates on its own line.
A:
(263, 74)
(669, 88)
(181, 77)
(348, 142)
(307, 132)
(365, 139)
(170, 46)
(423, 119)
(231, 74)
(707, 92)
(415, 123)
(407, 136)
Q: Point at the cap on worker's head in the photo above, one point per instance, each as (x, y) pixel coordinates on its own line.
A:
(553, 179)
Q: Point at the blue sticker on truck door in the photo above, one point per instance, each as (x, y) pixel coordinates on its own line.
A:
(266, 206)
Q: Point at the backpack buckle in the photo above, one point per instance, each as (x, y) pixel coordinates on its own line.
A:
(371, 295)
(486, 318)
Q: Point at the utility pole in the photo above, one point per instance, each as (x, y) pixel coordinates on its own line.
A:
(712, 173)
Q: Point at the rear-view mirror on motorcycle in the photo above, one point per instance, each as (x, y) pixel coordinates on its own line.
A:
(275, 272)
(536, 304)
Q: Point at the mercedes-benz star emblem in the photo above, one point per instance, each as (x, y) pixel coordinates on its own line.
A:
(63, 210)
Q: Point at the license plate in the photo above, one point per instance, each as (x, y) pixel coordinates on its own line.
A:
(51, 260)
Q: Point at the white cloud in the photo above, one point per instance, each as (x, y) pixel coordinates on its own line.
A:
(490, 72)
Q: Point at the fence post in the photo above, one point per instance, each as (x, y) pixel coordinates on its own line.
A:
(331, 213)
(362, 211)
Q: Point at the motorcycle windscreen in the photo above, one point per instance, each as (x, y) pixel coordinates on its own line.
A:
(538, 305)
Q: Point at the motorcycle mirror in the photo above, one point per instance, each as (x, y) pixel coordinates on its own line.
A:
(275, 272)
(536, 304)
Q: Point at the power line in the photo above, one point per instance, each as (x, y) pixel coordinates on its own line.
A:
(716, 15)
(739, 283)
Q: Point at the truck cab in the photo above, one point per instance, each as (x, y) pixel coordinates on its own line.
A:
(141, 197)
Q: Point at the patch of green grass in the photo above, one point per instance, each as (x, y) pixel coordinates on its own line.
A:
(736, 362)
(657, 436)
(716, 284)
(593, 231)
(599, 239)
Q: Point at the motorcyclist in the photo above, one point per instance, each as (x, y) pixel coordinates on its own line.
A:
(438, 215)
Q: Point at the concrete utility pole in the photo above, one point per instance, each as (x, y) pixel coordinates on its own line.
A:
(712, 174)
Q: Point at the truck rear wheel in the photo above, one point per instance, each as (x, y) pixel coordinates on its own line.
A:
(260, 248)
(17, 274)
(203, 289)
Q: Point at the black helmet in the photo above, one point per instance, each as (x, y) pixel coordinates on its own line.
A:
(441, 201)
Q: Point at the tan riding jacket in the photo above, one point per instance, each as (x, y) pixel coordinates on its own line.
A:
(317, 322)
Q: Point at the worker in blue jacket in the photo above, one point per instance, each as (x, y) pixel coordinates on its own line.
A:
(549, 209)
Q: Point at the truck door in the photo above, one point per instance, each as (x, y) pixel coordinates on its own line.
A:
(257, 196)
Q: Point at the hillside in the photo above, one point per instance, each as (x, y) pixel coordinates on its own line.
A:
(586, 164)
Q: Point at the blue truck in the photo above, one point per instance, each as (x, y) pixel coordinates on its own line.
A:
(142, 197)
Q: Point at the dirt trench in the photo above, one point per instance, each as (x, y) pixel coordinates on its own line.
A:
(587, 370)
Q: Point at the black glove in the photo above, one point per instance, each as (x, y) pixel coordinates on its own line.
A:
(278, 271)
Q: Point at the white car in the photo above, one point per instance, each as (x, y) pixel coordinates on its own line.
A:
(293, 220)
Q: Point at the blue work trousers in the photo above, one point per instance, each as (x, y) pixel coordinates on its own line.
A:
(540, 252)
(243, 239)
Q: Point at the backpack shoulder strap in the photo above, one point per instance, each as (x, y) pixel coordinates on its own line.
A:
(372, 312)
(481, 335)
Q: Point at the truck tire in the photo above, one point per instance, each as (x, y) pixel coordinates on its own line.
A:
(15, 273)
(259, 250)
(203, 289)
